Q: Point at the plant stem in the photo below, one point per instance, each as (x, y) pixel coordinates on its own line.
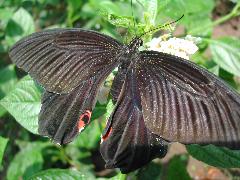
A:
(235, 12)
(66, 158)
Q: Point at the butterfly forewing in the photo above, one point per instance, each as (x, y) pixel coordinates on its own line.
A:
(185, 103)
(61, 59)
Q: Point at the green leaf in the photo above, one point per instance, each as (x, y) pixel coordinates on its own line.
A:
(150, 10)
(120, 21)
(80, 157)
(98, 111)
(21, 24)
(117, 8)
(90, 137)
(196, 18)
(3, 144)
(116, 13)
(119, 176)
(228, 77)
(23, 103)
(62, 174)
(8, 79)
(187, 7)
(110, 7)
(215, 156)
(110, 108)
(198, 6)
(150, 171)
(199, 25)
(214, 70)
(27, 162)
(177, 168)
(226, 53)
(73, 11)
(5, 15)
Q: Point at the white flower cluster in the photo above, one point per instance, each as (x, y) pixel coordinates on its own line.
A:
(104, 90)
(175, 46)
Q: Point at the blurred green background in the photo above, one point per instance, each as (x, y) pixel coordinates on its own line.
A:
(25, 155)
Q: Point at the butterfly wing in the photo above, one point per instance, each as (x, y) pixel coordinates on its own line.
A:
(63, 116)
(61, 59)
(70, 64)
(185, 103)
(127, 143)
(119, 80)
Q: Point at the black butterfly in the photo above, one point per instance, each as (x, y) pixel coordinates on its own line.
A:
(160, 98)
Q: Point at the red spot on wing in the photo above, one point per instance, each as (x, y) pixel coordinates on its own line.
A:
(84, 119)
(107, 134)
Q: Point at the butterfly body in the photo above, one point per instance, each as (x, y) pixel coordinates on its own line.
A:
(159, 98)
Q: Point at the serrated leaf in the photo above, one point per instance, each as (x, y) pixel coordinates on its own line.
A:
(62, 174)
(117, 13)
(121, 21)
(215, 156)
(27, 162)
(226, 53)
(3, 144)
(23, 103)
(21, 24)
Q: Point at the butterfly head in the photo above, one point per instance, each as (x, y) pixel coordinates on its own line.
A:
(135, 44)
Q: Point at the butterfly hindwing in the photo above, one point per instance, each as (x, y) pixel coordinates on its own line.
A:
(127, 143)
(185, 103)
(60, 59)
(63, 116)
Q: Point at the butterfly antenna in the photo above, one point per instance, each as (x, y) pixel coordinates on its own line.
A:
(165, 25)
